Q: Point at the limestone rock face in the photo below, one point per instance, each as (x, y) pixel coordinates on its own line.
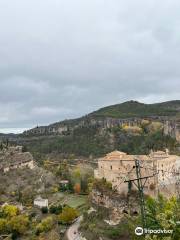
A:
(172, 128)
(117, 204)
(14, 157)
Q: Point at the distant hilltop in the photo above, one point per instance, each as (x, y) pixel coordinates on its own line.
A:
(129, 113)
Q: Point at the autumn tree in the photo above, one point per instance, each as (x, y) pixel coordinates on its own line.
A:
(3, 225)
(77, 188)
(19, 224)
(45, 225)
(68, 215)
(9, 211)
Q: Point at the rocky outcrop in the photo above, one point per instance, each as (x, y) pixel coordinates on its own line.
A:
(14, 157)
(116, 203)
(130, 114)
(171, 127)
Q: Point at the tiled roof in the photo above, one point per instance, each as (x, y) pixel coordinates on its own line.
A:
(117, 155)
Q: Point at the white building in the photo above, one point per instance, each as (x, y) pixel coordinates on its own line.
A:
(40, 202)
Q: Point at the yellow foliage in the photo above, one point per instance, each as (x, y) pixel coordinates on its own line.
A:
(145, 122)
(77, 173)
(68, 215)
(46, 225)
(3, 225)
(19, 224)
(46, 164)
(124, 126)
(155, 126)
(10, 211)
(132, 129)
(55, 189)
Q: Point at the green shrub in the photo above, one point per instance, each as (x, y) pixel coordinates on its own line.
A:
(44, 210)
(55, 209)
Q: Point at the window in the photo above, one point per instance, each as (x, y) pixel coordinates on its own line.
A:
(111, 167)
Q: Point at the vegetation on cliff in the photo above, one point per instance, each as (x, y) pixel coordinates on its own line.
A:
(136, 109)
(162, 214)
(96, 134)
(89, 142)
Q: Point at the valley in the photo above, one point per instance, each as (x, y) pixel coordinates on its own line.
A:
(70, 173)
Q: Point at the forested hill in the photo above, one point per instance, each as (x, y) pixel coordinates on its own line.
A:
(132, 127)
(136, 109)
(126, 110)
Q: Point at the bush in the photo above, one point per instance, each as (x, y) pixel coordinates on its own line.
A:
(55, 209)
(152, 186)
(9, 211)
(19, 224)
(102, 185)
(3, 225)
(118, 232)
(68, 215)
(45, 226)
(44, 210)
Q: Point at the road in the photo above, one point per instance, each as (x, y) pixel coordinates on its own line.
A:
(72, 232)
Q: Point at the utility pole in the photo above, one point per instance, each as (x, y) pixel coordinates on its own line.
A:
(138, 183)
(141, 193)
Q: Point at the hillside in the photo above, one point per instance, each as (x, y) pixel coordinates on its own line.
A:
(114, 114)
(129, 109)
(131, 126)
(136, 109)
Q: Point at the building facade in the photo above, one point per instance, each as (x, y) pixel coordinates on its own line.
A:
(40, 202)
(161, 168)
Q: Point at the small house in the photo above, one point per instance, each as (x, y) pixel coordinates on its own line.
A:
(40, 202)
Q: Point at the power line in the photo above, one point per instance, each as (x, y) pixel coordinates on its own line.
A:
(138, 183)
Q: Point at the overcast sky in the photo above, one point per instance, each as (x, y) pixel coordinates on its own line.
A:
(64, 58)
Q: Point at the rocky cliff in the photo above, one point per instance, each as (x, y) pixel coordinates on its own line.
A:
(132, 127)
(117, 204)
(129, 113)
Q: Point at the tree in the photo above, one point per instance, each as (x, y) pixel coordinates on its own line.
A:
(162, 213)
(45, 225)
(10, 211)
(68, 215)
(19, 224)
(77, 188)
(63, 170)
(3, 225)
(77, 173)
(55, 209)
(44, 210)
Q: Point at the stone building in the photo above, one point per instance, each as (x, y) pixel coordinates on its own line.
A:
(163, 169)
(14, 157)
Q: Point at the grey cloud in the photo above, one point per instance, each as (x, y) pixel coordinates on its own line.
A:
(62, 59)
